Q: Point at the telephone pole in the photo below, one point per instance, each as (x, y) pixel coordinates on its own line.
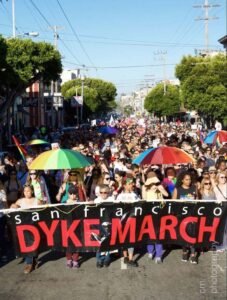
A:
(54, 85)
(162, 57)
(56, 35)
(13, 19)
(206, 6)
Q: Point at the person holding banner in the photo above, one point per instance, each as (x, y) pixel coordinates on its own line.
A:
(128, 195)
(103, 258)
(72, 258)
(186, 190)
(28, 201)
(221, 194)
(154, 191)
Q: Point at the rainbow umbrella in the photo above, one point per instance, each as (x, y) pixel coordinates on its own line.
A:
(59, 159)
(36, 142)
(213, 136)
(165, 156)
(139, 158)
(108, 130)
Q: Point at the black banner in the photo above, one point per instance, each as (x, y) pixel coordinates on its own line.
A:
(80, 228)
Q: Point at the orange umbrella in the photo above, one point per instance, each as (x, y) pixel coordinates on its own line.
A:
(166, 155)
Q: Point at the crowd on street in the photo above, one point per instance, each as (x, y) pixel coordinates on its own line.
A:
(115, 175)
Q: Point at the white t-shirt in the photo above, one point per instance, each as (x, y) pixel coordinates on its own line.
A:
(127, 197)
(218, 126)
(100, 200)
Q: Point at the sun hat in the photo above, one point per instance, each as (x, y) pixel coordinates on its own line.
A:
(151, 180)
(212, 168)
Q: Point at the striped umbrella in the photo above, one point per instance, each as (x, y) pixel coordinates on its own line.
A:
(60, 159)
(36, 142)
(215, 135)
(139, 158)
(165, 156)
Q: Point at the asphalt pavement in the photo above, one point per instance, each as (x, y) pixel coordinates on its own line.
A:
(171, 280)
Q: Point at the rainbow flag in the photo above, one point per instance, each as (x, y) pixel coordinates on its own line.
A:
(200, 136)
(22, 151)
(217, 142)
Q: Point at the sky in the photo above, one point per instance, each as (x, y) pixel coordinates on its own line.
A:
(129, 43)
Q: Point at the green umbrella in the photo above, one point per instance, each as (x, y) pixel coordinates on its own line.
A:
(59, 159)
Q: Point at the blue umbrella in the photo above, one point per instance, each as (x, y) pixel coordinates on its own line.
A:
(139, 158)
(108, 130)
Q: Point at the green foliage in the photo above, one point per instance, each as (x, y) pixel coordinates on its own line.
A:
(99, 95)
(128, 110)
(162, 104)
(27, 59)
(203, 84)
(26, 62)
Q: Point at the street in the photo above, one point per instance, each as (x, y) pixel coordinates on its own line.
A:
(171, 280)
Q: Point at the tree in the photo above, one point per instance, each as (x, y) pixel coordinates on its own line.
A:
(203, 84)
(99, 95)
(24, 62)
(163, 104)
(128, 110)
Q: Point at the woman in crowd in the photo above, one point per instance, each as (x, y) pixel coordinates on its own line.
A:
(12, 187)
(213, 173)
(206, 190)
(154, 191)
(221, 165)
(28, 201)
(170, 180)
(74, 179)
(119, 179)
(186, 190)
(39, 185)
(105, 179)
(92, 181)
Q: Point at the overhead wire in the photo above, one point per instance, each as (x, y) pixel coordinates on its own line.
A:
(48, 23)
(75, 33)
(124, 67)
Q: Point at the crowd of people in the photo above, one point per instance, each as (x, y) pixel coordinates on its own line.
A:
(113, 176)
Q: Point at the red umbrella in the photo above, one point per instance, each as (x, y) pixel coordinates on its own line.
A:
(166, 156)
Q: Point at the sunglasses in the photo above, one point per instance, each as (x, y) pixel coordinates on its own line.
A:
(212, 172)
(223, 177)
(103, 192)
(72, 174)
(32, 173)
(207, 183)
